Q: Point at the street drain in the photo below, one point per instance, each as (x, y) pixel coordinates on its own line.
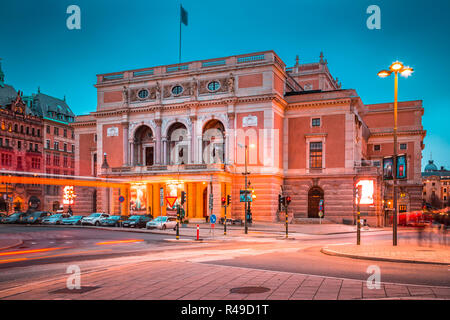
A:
(249, 290)
(83, 289)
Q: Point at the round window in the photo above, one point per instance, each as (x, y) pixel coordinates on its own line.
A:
(142, 94)
(213, 86)
(177, 90)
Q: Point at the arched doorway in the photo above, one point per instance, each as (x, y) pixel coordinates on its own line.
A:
(213, 146)
(315, 194)
(143, 146)
(178, 150)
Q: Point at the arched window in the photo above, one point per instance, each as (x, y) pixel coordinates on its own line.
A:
(144, 146)
(178, 150)
(213, 146)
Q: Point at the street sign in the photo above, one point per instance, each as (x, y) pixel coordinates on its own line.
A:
(171, 201)
(121, 199)
(213, 219)
(161, 197)
(211, 198)
(242, 196)
(320, 214)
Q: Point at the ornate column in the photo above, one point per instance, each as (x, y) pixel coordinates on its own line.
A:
(125, 143)
(164, 149)
(158, 141)
(131, 160)
(192, 159)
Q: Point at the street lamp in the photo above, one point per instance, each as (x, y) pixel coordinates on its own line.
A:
(245, 173)
(396, 68)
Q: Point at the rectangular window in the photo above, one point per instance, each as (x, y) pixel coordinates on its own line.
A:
(48, 159)
(65, 147)
(316, 122)
(35, 163)
(19, 163)
(73, 148)
(48, 129)
(65, 161)
(38, 132)
(19, 145)
(315, 155)
(55, 131)
(6, 159)
(36, 147)
(56, 145)
(376, 147)
(56, 160)
(65, 133)
(1, 142)
(402, 146)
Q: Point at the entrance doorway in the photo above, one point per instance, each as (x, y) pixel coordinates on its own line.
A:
(148, 156)
(315, 194)
(205, 202)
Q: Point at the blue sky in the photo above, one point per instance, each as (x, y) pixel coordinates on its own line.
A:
(38, 49)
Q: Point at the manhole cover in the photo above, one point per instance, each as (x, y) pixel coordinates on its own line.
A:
(249, 290)
(83, 289)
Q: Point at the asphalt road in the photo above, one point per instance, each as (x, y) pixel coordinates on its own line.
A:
(49, 250)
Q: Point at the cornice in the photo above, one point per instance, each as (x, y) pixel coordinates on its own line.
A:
(316, 103)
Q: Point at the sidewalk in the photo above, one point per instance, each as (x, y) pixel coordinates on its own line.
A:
(197, 281)
(387, 252)
(9, 243)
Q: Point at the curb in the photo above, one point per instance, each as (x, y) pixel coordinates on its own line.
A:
(354, 256)
(18, 243)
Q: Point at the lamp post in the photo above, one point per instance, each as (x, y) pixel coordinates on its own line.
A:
(246, 184)
(396, 68)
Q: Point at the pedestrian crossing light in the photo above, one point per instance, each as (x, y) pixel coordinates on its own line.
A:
(281, 202)
(288, 200)
(223, 201)
(183, 197)
(228, 199)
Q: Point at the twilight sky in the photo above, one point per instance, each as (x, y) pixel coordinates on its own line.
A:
(39, 50)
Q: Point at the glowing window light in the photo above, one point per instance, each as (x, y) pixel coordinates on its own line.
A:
(367, 191)
(68, 195)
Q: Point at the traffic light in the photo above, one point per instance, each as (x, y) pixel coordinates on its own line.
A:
(183, 197)
(281, 202)
(288, 200)
(228, 199)
(223, 201)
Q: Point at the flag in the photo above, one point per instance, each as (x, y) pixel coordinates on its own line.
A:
(183, 16)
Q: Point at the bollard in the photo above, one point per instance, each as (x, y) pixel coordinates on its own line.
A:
(198, 232)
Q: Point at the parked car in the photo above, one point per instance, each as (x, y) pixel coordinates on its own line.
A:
(53, 219)
(14, 218)
(136, 222)
(162, 222)
(113, 221)
(72, 220)
(94, 219)
(36, 217)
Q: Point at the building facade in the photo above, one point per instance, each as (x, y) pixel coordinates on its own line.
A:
(194, 127)
(35, 137)
(436, 186)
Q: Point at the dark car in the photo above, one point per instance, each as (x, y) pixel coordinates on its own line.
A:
(35, 217)
(136, 222)
(14, 218)
(113, 221)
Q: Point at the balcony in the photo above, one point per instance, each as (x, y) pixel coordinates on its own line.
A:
(167, 169)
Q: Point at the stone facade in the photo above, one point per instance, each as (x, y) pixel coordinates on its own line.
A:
(171, 128)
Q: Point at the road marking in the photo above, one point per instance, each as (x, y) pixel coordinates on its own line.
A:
(28, 251)
(119, 241)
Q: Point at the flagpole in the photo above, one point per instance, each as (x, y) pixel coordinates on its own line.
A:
(179, 52)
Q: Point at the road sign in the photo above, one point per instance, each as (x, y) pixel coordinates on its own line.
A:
(121, 199)
(213, 218)
(211, 198)
(242, 196)
(171, 201)
(161, 197)
(320, 214)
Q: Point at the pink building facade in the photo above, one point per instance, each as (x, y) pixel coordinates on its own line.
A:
(185, 128)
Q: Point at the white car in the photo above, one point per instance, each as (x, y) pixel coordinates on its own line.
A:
(94, 219)
(162, 222)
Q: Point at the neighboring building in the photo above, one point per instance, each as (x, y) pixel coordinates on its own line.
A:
(20, 149)
(59, 143)
(35, 136)
(183, 127)
(436, 186)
